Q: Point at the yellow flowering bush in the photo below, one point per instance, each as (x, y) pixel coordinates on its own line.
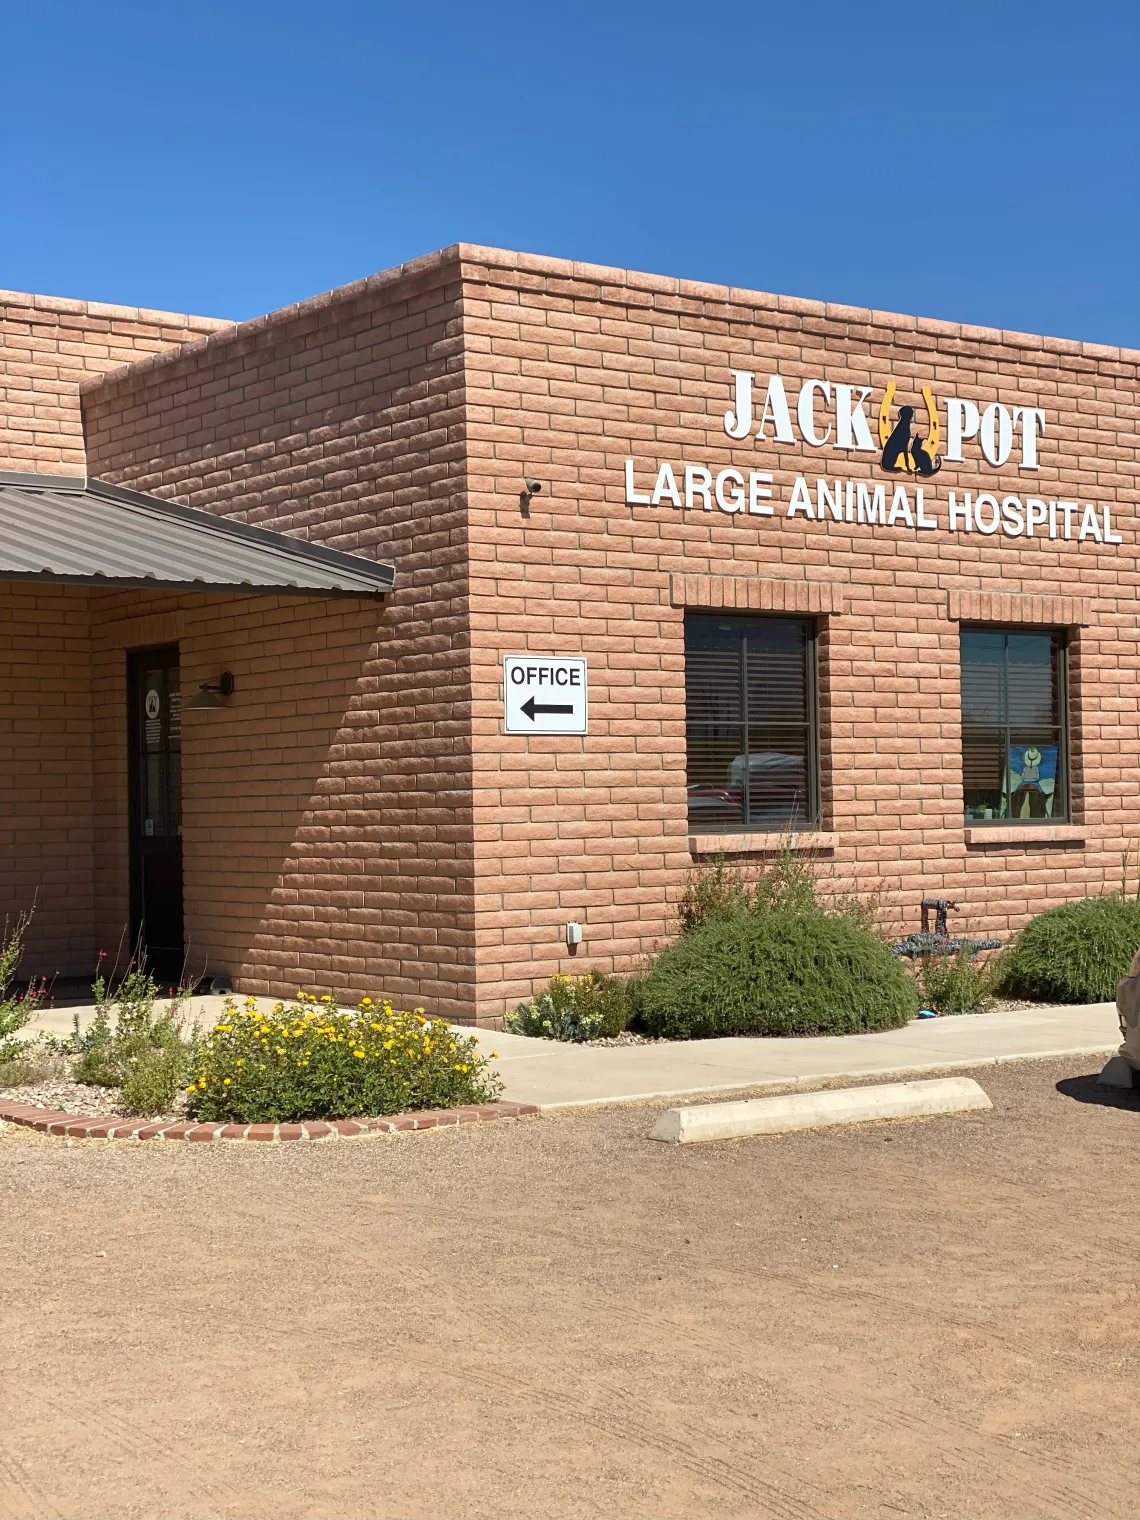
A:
(312, 1059)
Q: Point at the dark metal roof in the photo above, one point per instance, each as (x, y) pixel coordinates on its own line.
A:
(61, 529)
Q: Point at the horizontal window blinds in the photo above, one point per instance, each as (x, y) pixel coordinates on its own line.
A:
(749, 723)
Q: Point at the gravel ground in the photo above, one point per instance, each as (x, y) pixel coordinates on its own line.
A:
(556, 1317)
(58, 1091)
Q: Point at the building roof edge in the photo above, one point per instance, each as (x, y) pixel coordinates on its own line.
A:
(278, 318)
(65, 305)
(468, 254)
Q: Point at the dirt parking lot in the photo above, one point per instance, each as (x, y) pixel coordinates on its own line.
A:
(556, 1317)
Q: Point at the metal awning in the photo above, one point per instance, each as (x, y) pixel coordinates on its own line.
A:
(85, 532)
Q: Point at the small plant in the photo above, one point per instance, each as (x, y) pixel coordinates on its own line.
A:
(789, 884)
(955, 983)
(311, 1059)
(715, 891)
(574, 1008)
(154, 1080)
(36, 1062)
(17, 1009)
(127, 1027)
(1075, 953)
(775, 973)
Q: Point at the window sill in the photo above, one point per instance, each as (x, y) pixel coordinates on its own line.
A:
(1027, 834)
(761, 843)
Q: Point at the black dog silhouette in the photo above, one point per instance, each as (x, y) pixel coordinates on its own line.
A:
(899, 441)
(923, 463)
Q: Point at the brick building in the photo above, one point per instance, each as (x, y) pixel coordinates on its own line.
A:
(907, 640)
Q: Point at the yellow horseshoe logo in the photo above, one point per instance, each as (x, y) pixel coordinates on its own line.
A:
(902, 458)
(885, 415)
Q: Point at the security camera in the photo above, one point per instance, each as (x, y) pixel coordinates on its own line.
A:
(534, 486)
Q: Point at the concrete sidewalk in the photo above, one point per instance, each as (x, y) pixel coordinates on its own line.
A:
(555, 1075)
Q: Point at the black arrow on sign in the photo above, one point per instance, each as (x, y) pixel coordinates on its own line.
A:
(533, 708)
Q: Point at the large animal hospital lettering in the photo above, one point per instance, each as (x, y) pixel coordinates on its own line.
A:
(832, 415)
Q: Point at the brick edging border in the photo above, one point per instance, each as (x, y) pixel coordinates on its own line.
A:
(84, 1127)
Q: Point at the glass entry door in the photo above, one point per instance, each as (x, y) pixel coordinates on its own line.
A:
(155, 767)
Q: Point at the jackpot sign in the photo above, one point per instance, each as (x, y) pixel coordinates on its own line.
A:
(910, 444)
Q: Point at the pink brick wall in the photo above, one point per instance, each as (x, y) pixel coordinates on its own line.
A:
(328, 816)
(48, 346)
(46, 838)
(432, 853)
(570, 370)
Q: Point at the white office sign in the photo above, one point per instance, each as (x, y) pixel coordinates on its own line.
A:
(544, 694)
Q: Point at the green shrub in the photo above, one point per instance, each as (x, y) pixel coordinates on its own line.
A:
(155, 1079)
(126, 1028)
(590, 1007)
(775, 973)
(310, 1059)
(1075, 953)
(36, 1062)
(788, 884)
(17, 1009)
(954, 983)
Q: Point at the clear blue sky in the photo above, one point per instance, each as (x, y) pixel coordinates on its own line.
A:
(974, 161)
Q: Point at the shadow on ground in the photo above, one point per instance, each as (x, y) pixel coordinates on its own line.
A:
(1088, 1090)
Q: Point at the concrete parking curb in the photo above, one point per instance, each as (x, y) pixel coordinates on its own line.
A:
(812, 1110)
(816, 1078)
(84, 1127)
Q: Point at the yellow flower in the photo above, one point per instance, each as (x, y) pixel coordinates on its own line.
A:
(192, 1088)
(225, 1081)
(239, 1063)
(222, 1028)
(366, 1002)
(359, 1054)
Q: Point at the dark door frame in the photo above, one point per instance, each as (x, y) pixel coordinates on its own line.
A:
(155, 860)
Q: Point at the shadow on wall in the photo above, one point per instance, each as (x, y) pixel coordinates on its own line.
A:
(322, 830)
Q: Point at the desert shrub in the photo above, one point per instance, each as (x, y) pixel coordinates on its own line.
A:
(154, 1080)
(788, 884)
(311, 1059)
(590, 1007)
(17, 1009)
(126, 1028)
(955, 983)
(775, 973)
(1075, 953)
(35, 1062)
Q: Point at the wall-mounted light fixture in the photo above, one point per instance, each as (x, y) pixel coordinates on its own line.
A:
(211, 693)
(530, 488)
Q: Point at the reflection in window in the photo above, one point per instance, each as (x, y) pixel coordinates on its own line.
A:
(1013, 726)
(750, 731)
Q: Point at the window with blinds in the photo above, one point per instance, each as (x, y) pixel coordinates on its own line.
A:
(1014, 733)
(750, 723)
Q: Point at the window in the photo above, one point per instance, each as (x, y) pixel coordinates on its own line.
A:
(1014, 740)
(750, 723)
